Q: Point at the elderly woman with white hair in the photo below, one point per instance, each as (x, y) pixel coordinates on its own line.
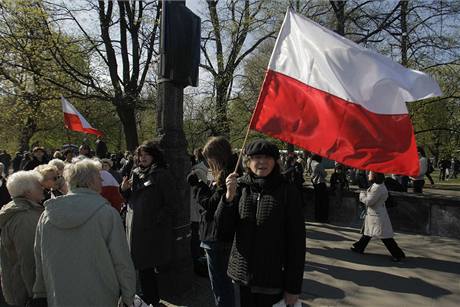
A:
(18, 221)
(80, 238)
(60, 186)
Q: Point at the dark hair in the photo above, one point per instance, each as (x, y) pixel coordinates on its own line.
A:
(198, 153)
(219, 150)
(421, 151)
(153, 149)
(317, 158)
(379, 178)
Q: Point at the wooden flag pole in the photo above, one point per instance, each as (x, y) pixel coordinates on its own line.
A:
(242, 148)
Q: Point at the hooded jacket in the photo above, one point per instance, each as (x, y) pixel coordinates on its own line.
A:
(18, 220)
(81, 253)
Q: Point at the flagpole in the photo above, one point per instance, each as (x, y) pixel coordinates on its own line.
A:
(242, 148)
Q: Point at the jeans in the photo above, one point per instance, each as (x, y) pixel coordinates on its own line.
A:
(221, 284)
(418, 186)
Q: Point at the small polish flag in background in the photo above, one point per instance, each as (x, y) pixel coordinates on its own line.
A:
(75, 121)
(324, 93)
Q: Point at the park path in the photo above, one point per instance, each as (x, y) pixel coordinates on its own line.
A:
(335, 276)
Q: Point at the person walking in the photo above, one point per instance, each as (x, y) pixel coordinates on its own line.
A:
(151, 194)
(318, 179)
(264, 211)
(81, 252)
(18, 222)
(377, 223)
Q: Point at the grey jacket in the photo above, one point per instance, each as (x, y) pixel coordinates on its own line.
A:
(81, 253)
(18, 220)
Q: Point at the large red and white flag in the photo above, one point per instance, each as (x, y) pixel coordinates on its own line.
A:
(74, 121)
(326, 94)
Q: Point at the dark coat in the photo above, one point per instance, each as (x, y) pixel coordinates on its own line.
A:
(209, 198)
(4, 194)
(149, 219)
(30, 165)
(269, 246)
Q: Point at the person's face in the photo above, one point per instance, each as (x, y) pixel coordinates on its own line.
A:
(106, 166)
(371, 176)
(145, 160)
(261, 165)
(69, 156)
(49, 180)
(36, 193)
(39, 154)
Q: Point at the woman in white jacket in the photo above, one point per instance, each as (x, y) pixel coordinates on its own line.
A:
(377, 224)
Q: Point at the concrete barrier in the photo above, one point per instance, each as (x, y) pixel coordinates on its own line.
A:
(427, 214)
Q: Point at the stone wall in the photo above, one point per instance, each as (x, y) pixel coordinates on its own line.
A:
(426, 214)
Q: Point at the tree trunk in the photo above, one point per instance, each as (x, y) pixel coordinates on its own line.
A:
(126, 113)
(340, 15)
(222, 125)
(404, 34)
(27, 132)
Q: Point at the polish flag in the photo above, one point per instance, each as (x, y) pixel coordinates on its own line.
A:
(324, 93)
(74, 121)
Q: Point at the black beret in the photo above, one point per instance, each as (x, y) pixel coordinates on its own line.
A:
(262, 147)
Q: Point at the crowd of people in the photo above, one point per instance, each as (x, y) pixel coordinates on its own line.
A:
(107, 226)
(105, 221)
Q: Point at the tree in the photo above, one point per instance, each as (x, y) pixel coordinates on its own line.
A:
(233, 30)
(28, 99)
(121, 52)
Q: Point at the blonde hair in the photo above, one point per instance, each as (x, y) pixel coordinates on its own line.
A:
(19, 183)
(45, 169)
(81, 173)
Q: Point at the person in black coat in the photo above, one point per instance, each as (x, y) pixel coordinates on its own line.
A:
(38, 158)
(151, 194)
(265, 213)
(217, 245)
(101, 148)
(4, 194)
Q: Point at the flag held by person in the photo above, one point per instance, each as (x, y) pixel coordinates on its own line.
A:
(326, 94)
(74, 121)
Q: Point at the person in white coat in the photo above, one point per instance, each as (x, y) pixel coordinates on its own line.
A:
(377, 223)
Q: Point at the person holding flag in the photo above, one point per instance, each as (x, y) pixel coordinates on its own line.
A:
(264, 211)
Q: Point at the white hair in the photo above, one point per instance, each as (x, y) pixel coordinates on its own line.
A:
(81, 173)
(57, 163)
(19, 183)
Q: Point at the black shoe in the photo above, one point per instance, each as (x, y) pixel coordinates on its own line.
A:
(396, 259)
(354, 249)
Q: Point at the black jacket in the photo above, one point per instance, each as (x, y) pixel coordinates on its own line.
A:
(269, 244)
(149, 219)
(209, 198)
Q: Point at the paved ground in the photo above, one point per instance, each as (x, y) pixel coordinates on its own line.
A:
(335, 276)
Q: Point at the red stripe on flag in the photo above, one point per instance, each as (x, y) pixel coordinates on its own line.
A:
(72, 122)
(335, 128)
